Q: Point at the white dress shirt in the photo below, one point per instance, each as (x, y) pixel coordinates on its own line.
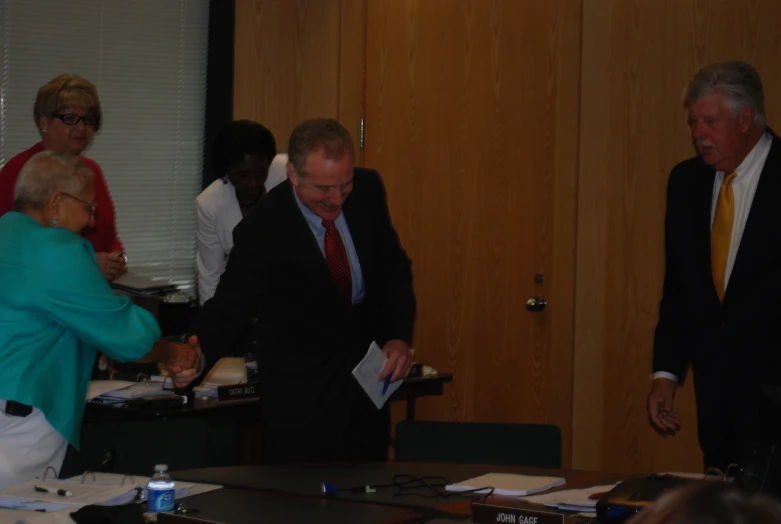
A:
(218, 212)
(743, 187)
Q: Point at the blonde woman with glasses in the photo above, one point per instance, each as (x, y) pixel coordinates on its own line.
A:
(68, 114)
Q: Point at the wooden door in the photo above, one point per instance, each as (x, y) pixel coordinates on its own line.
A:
(472, 119)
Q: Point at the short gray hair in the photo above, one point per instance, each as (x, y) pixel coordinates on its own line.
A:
(738, 81)
(47, 172)
(316, 134)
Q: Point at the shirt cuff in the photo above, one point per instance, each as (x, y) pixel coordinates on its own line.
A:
(665, 374)
(203, 363)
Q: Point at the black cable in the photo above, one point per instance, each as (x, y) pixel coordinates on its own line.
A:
(406, 484)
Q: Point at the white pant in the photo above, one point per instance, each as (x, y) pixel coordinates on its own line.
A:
(28, 445)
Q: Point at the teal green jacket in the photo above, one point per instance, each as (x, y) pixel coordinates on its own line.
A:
(56, 311)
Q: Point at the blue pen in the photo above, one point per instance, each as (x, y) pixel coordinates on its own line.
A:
(385, 386)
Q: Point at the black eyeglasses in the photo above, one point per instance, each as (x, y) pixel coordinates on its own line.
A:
(91, 208)
(71, 119)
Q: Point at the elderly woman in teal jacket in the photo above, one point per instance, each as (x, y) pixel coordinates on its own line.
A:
(56, 311)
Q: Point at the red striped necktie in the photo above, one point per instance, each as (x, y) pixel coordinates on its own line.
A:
(336, 259)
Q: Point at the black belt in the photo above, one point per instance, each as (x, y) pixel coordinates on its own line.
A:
(17, 409)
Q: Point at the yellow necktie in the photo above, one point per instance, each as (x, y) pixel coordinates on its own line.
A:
(721, 233)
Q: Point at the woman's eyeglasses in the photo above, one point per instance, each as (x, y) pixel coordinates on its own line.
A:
(91, 208)
(72, 119)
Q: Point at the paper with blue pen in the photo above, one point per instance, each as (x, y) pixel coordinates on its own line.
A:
(12, 516)
(367, 373)
(93, 490)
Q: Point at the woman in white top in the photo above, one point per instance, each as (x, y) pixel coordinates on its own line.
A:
(245, 158)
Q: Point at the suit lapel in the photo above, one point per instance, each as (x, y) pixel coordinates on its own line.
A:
(305, 252)
(703, 202)
(359, 230)
(760, 221)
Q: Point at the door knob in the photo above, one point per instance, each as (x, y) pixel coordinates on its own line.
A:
(536, 304)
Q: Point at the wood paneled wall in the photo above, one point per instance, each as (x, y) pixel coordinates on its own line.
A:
(637, 58)
(301, 58)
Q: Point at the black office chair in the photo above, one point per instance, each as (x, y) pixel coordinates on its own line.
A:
(536, 445)
(134, 447)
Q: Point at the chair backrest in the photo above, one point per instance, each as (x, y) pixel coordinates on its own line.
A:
(536, 445)
(138, 445)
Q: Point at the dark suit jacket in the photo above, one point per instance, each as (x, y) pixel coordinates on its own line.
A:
(732, 347)
(307, 341)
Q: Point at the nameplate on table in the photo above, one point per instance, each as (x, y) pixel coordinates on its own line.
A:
(238, 391)
(486, 513)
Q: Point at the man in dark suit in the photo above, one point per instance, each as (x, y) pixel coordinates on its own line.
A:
(316, 274)
(721, 303)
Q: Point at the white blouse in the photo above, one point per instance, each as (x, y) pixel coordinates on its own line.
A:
(218, 212)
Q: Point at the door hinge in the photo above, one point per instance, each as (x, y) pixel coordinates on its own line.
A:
(361, 134)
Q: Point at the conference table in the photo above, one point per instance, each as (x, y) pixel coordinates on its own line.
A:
(292, 493)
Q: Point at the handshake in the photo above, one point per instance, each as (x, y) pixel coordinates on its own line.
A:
(184, 362)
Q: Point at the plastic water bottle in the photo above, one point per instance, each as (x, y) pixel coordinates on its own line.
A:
(160, 491)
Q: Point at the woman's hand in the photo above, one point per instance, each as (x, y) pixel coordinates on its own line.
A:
(113, 265)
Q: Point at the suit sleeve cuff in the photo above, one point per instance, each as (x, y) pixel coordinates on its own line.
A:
(667, 375)
(203, 363)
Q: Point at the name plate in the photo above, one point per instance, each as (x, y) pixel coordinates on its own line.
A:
(238, 391)
(495, 514)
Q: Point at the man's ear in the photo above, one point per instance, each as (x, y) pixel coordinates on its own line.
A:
(292, 174)
(746, 118)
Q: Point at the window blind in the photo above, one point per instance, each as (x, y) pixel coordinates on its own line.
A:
(147, 59)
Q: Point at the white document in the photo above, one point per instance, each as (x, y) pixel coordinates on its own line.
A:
(141, 285)
(101, 387)
(83, 494)
(182, 489)
(138, 390)
(228, 371)
(27, 516)
(697, 476)
(367, 373)
(572, 499)
(508, 484)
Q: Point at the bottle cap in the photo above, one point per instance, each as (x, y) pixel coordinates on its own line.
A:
(161, 467)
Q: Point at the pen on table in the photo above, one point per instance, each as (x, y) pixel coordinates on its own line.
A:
(385, 385)
(60, 492)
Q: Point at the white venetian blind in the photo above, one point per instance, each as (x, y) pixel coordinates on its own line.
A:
(148, 60)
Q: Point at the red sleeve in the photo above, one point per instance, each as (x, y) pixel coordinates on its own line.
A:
(8, 176)
(104, 237)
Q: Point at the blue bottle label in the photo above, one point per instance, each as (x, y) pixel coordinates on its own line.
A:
(160, 500)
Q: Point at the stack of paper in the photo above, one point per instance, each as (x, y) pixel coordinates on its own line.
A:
(25, 496)
(581, 500)
(138, 285)
(228, 371)
(23, 504)
(99, 388)
(12, 516)
(507, 484)
(183, 489)
(698, 476)
(117, 392)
